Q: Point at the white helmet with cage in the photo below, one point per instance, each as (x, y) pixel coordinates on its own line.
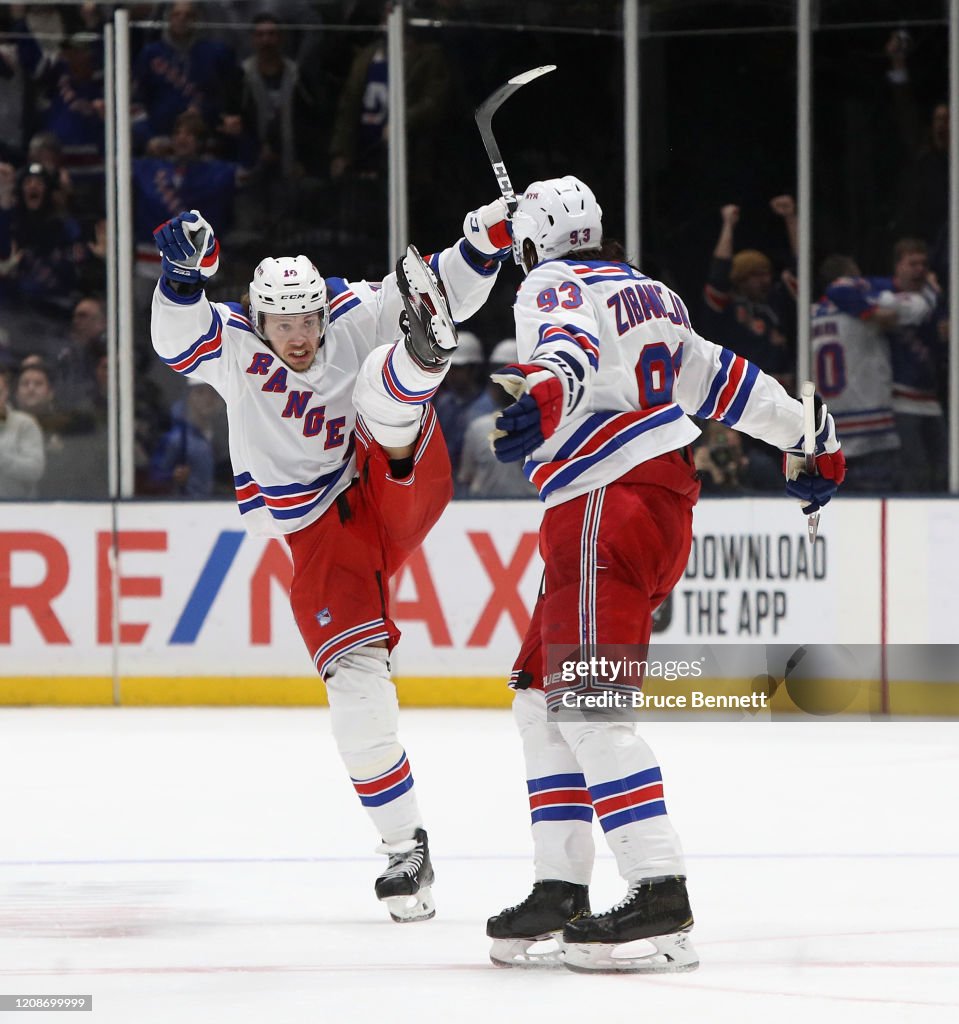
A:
(290, 285)
(556, 216)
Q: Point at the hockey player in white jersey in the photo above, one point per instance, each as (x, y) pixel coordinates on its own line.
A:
(336, 448)
(853, 366)
(609, 371)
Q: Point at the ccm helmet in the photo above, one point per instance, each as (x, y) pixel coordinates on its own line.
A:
(553, 218)
(288, 285)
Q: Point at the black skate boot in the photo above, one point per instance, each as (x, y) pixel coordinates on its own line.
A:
(540, 917)
(405, 884)
(655, 909)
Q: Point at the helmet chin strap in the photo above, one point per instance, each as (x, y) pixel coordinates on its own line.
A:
(530, 256)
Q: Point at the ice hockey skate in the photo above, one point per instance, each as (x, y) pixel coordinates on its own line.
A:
(405, 884)
(428, 326)
(539, 918)
(655, 909)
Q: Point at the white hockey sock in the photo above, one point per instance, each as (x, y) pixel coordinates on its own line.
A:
(559, 801)
(626, 787)
(391, 391)
(364, 713)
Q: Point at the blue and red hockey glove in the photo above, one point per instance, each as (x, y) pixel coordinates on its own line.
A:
(191, 253)
(815, 490)
(522, 427)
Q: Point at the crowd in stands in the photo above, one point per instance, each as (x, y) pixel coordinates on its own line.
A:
(280, 137)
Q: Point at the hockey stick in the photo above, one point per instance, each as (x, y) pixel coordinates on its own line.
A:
(808, 394)
(484, 121)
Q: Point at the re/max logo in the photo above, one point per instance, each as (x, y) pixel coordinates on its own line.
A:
(47, 590)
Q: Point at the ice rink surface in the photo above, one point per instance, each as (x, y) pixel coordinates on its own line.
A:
(206, 865)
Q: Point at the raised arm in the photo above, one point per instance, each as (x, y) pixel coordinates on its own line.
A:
(186, 329)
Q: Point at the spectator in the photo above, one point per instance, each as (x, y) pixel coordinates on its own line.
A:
(76, 362)
(852, 366)
(725, 467)
(46, 24)
(45, 150)
(738, 293)
(304, 45)
(358, 148)
(184, 462)
(39, 247)
(182, 180)
(916, 369)
(66, 434)
(74, 115)
(84, 455)
(924, 207)
(34, 393)
(278, 112)
(21, 447)
(481, 474)
(19, 59)
(181, 72)
(457, 392)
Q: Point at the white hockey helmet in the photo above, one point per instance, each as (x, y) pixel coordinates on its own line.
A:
(557, 216)
(468, 351)
(289, 284)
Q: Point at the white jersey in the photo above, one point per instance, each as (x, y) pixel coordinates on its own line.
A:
(292, 433)
(853, 371)
(632, 368)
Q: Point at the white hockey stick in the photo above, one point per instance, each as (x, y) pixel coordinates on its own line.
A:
(484, 121)
(808, 394)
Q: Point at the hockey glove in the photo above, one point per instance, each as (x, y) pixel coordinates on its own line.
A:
(191, 253)
(489, 231)
(525, 425)
(816, 490)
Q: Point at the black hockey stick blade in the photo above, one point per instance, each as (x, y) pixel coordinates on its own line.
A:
(484, 121)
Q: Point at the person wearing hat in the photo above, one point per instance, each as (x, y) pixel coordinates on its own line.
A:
(458, 392)
(739, 310)
(47, 150)
(37, 243)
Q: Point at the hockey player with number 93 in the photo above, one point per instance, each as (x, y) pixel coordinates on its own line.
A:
(336, 449)
(609, 371)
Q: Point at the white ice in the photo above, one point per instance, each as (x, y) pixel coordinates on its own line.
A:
(207, 865)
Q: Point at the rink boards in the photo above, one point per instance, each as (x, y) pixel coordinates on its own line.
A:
(156, 603)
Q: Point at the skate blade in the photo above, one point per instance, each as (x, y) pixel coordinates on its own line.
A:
(417, 907)
(516, 952)
(424, 286)
(672, 954)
